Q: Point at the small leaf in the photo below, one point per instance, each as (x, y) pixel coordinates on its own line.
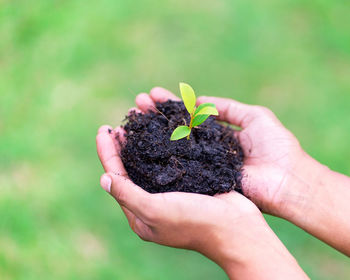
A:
(208, 111)
(199, 119)
(188, 96)
(201, 106)
(180, 132)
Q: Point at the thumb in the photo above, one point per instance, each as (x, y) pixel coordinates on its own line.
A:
(106, 182)
(232, 111)
(126, 193)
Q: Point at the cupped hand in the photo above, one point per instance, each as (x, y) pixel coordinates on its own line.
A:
(272, 153)
(227, 228)
(198, 222)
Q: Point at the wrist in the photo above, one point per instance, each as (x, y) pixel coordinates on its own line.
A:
(257, 253)
(316, 201)
(299, 189)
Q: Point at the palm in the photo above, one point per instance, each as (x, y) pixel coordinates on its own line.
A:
(271, 153)
(271, 150)
(193, 211)
(174, 219)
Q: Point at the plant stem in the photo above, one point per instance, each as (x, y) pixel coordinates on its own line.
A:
(190, 126)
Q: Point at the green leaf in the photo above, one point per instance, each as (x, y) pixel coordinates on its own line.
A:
(180, 132)
(200, 107)
(208, 111)
(188, 97)
(199, 119)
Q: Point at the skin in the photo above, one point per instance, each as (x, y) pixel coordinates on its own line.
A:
(283, 180)
(279, 178)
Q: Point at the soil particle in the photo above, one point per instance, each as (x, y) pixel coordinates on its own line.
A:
(209, 163)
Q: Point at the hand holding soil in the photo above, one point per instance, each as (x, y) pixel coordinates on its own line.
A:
(271, 153)
(278, 176)
(222, 227)
(205, 159)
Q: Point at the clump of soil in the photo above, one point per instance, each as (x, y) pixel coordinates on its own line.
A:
(209, 163)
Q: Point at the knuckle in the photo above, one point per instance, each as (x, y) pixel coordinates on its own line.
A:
(154, 90)
(140, 96)
(231, 108)
(261, 110)
(103, 128)
(121, 196)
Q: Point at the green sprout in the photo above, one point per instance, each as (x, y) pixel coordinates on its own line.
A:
(198, 114)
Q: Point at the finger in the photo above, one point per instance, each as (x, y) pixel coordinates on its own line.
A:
(143, 231)
(137, 225)
(131, 196)
(104, 128)
(106, 184)
(144, 102)
(231, 111)
(254, 182)
(107, 151)
(161, 95)
(231, 197)
(134, 110)
(130, 217)
(119, 137)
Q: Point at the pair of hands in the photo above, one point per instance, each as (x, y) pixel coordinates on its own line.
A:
(218, 226)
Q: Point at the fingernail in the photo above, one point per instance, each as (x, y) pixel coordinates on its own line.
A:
(106, 182)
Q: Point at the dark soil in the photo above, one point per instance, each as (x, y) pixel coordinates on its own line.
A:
(209, 163)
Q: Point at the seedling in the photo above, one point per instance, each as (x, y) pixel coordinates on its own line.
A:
(198, 114)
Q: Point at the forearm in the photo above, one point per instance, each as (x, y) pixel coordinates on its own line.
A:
(261, 255)
(322, 204)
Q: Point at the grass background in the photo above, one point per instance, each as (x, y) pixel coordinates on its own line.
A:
(66, 67)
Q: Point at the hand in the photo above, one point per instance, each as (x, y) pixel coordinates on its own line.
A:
(282, 180)
(272, 154)
(184, 220)
(279, 177)
(222, 227)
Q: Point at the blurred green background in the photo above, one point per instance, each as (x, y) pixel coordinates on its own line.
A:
(66, 67)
